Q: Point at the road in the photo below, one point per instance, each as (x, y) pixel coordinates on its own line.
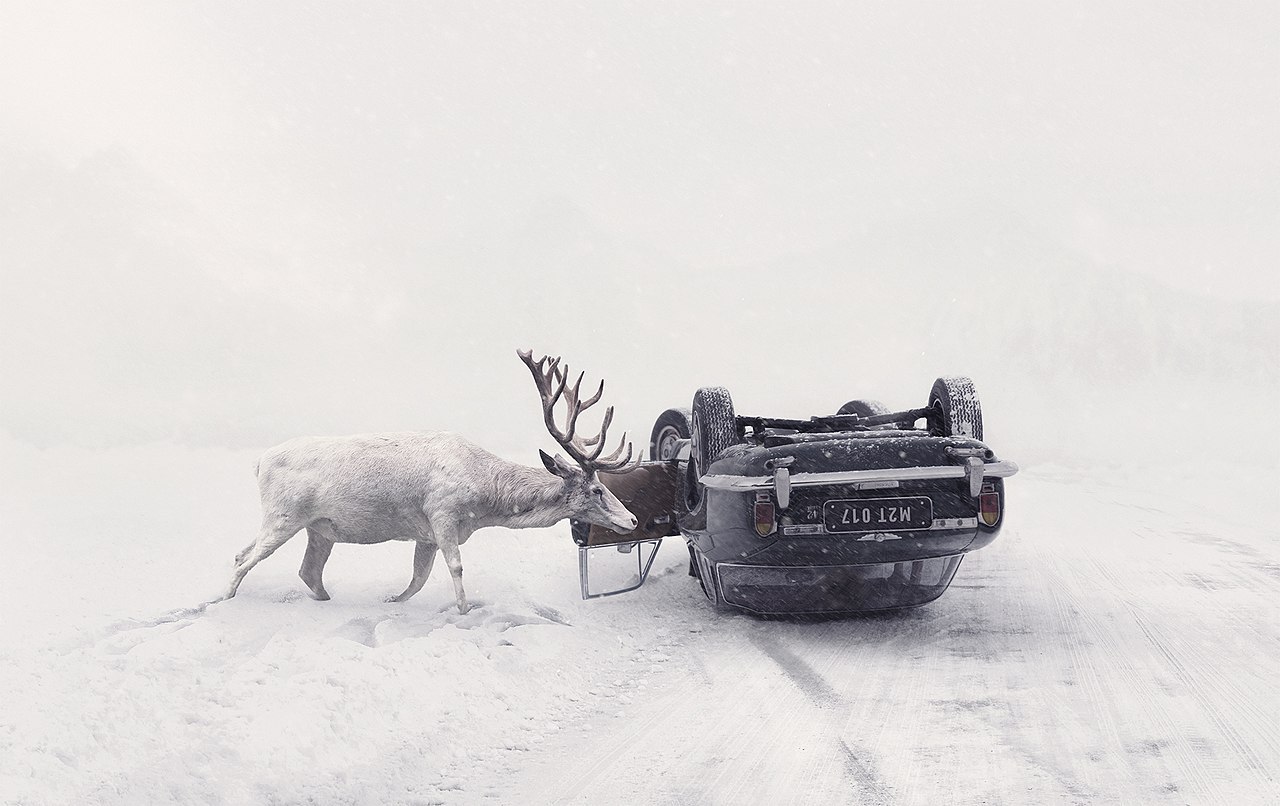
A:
(1119, 643)
(1112, 646)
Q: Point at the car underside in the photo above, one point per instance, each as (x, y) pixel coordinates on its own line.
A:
(852, 512)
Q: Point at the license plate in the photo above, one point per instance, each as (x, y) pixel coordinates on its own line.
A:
(878, 514)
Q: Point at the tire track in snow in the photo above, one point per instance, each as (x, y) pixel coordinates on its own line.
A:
(1154, 700)
(827, 654)
(1049, 607)
(1203, 673)
(691, 740)
(1121, 587)
(912, 706)
(756, 741)
(607, 753)
(1010, 742)
(1197, 775)
(683, 729)
(1068, 618)
(827, 700)
(1206, 682)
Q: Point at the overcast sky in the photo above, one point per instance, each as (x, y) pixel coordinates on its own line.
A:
(232, 222)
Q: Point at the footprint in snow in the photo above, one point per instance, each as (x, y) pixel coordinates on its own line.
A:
(362, 630)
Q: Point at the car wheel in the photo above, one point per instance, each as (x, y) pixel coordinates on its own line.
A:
(671, 426)
(864, 408)
(954, 410)
(714, 427)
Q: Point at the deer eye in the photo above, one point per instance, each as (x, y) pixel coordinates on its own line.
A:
(599, 492)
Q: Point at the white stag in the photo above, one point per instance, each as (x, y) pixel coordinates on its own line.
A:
(434, 488)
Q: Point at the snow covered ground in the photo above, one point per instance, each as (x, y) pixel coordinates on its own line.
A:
(1120, 642)
(227, 224)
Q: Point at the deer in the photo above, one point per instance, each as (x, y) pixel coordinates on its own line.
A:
(433, 488)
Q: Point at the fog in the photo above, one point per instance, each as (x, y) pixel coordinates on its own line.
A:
(226, 224)
(223, 225)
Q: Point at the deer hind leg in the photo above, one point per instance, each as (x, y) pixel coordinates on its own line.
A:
(312, 570)
(273, 536)
(453, 558)
(243, 553)
(424, 556)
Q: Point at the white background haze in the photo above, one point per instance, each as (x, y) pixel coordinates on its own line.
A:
(225, 224)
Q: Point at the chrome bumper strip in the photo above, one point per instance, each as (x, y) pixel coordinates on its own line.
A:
(1000, 469)
(818, 530)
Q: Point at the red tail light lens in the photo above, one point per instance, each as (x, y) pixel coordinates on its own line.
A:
(765, 517)
(989, 508)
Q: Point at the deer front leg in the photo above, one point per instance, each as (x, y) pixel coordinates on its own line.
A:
(424, 556)
(312, 570)
(453, 557)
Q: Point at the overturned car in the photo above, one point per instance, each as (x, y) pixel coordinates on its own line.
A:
(866, 509)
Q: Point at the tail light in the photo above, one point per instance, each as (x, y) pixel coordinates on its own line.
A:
(765, 515)
(989, 508)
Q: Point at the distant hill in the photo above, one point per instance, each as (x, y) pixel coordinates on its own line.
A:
(132, 316)
(1008, 299)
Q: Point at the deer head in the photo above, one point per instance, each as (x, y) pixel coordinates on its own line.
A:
(589, 500)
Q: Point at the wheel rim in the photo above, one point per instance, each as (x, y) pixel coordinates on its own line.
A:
(668, 439)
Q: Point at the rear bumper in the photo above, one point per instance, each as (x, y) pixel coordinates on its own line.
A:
(776, 589)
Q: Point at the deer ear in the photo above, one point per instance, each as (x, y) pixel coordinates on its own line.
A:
(553, 464)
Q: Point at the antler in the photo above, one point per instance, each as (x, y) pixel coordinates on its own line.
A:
(552, 381)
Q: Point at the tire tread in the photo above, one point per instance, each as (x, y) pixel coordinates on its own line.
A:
(961, 409)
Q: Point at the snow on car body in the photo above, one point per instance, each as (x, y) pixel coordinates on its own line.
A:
(851, 512)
